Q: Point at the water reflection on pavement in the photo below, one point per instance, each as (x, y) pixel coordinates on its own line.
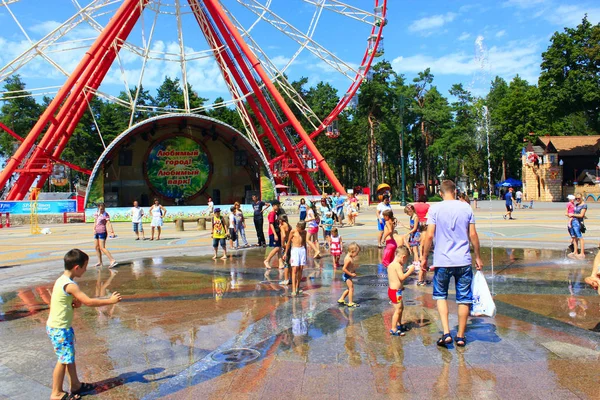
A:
(182, 318)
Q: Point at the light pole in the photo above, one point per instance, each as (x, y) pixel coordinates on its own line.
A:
(401, 137)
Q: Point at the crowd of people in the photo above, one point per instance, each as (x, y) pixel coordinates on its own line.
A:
(450, 224)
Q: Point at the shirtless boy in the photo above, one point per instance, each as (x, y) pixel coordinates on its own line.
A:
(296, 245)
(285, 227)
(396, 278)
(349, 274)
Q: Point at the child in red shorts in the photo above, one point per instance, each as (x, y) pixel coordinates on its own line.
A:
(396, 278)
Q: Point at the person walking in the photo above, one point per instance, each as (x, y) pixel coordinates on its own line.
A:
(381, 207)
(274, 236)
(508, 199)
(476, 198)
(240, 225)
(259, 207)
(157, 212)
(519, 198)
(302, 207)
(211, 205)
(219, 234)
(452, 225)
(101, 223)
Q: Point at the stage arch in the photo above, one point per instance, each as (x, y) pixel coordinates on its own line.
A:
(182, 159)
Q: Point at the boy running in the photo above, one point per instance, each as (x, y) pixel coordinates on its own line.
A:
(66, 296)
(296, 245)
(349, 273)
(396, 278)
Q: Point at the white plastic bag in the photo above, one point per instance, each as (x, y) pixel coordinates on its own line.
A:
(483, 303)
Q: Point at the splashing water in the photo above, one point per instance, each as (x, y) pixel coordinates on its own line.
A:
(483, 128)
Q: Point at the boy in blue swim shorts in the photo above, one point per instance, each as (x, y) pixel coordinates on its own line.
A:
(349, 274)
(66, 296)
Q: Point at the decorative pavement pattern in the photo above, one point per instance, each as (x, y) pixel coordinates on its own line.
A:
(193, 328)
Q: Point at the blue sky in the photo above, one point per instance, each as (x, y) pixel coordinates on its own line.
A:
(436, 34)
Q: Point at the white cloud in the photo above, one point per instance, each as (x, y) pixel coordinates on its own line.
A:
(464, 36)
(501, 33)
(571, 15)
(523, 3)
(518, 57)
(427, 25)
(556, 12)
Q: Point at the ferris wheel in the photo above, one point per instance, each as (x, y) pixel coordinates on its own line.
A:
(244, 47)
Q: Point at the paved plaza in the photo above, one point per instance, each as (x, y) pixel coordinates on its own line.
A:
(193, 328)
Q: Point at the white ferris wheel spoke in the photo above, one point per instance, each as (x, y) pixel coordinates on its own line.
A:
(277, 75)
(146, 44)
(295, 34)
(182, 61)
(50, 39)
(237, 96)
(346, 10)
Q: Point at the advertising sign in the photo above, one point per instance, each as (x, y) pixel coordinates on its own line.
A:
(43, 206)
(178, 167)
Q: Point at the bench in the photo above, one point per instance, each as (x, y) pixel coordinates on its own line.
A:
(201, 222)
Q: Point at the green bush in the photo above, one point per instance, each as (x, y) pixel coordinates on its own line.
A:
(435, 198)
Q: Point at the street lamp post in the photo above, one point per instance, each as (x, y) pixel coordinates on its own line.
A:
(403, 199)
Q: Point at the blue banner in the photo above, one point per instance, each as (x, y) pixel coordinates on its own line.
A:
(43, 206)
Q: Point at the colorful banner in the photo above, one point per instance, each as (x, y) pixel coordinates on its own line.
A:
(178, 167)
(43, 206)
(123, 214)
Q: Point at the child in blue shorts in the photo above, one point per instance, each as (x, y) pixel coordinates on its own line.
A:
(67, 296)
(349, 273)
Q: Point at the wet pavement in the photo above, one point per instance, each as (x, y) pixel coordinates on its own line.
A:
(193, 328)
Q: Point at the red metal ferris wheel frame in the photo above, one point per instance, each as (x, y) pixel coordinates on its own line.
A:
(33, 161)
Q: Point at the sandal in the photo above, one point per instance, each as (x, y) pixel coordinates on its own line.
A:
(85, 387)
(341, 302)
(353, 305)
(460, 341)
(70, 396)
(397, 333)
(443, 341)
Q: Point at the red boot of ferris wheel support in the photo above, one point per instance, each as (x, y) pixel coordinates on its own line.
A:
(7, 220)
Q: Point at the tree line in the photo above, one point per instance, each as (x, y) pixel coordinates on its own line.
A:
(442, 131)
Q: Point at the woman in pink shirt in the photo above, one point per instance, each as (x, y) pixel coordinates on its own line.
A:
(101, 222)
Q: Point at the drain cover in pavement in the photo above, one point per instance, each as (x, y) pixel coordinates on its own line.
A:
(236, 356)
(411, 302)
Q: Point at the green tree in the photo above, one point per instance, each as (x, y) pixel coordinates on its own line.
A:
(170, 94)
(19, 114)
(570, 80)
(515, 111)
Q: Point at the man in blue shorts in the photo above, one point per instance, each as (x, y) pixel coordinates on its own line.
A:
(452, 225)
(381, 207)
(508, 198)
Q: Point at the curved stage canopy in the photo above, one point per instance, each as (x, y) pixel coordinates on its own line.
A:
(180, 159)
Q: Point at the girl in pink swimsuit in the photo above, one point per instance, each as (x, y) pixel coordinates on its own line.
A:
(389, 253)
